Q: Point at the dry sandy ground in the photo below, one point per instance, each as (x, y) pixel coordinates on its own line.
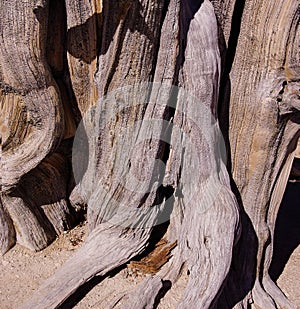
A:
(22, 271)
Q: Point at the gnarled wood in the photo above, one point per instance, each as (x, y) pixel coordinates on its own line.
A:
(263, 130)
(200, 247)
(33, 187)
(25, 82)
(151, 81)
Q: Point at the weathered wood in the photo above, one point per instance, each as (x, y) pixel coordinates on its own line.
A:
(263, 131)
(145, 295)
(25, 82)
(7, 230)
(199, 74)
(84, 23)
(160, 76)
(88, 261)
(39, 206)
(33, 187)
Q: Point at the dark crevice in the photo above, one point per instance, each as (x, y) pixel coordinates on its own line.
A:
(281, 92)
(188, 11)
(228, 59)
(162, 292)
(241, 277)
(163, 16)
(156, 235)
(242, 274)
(56, 37)
(236, 22)
(56, 54)
(287, 228)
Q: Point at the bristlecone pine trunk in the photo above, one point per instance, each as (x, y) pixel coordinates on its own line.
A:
(239, 59)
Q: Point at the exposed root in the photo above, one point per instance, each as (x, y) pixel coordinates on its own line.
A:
(278, 296)
(8, 237)
(103, 251)
(145, 295)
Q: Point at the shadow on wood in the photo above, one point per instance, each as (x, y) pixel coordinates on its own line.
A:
(287, 230)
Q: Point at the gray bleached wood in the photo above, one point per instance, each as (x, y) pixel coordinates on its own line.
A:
(243, 55)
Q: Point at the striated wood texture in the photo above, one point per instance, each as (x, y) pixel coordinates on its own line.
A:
(34, 164)
(262, 90)
(149, 85)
